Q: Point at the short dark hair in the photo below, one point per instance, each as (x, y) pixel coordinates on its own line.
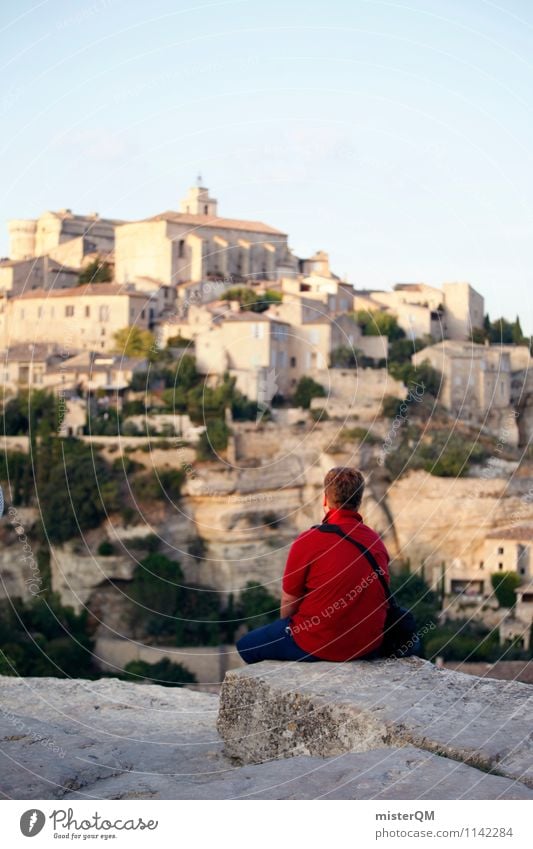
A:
(344, 487)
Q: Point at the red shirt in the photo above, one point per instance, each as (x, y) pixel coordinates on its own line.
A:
(343, 607)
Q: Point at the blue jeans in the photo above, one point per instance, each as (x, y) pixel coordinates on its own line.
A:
(275, 642)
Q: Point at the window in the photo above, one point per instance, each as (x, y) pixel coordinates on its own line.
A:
(500, 551)
(87, 312)
(500, 567)
(103, 312)
(481, 564)
(165, 293)
(39, 312)
(69, 311)
(143, 313)
(257, 331)
(151, 313)
(293, 362)
(502, 388)
(206, 209)
(281, 359)
(102, 331)
(181, 248)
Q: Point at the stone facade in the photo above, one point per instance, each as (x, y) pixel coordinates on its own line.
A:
(81, 318)
(37, 237)
(476, 384)
(421, 310)
(196, 244)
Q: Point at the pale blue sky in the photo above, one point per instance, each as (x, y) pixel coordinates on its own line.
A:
(397, 136)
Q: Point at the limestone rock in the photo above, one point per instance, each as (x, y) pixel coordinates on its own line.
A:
(273, 710)
(66, 739)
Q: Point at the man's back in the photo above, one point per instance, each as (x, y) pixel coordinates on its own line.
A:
(343, 608)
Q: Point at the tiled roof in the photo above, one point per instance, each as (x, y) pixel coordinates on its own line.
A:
(78, 291)
(216, 222)
(29, 351)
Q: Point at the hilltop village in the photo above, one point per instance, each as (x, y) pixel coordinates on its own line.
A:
(203, 378)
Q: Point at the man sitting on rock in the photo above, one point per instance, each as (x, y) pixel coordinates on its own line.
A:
(333, 606)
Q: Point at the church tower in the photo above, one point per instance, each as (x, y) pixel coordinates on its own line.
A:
(198, 201)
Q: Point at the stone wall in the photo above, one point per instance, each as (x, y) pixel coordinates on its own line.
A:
(208, 663)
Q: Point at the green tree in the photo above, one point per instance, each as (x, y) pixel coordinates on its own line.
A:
(28, 412)
(198, 617)
(411, 591)
(401, 350)
(518, 336)
(155, 593)
(98, 271)
(379, 323)
(345, 357)
(213, 440)
(249, 299)
(257, 606)
(504, 585)
(423, 375)
(77, 493)
(134, 342)
(306, 390)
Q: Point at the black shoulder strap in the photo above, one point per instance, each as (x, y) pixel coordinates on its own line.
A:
(335, 529)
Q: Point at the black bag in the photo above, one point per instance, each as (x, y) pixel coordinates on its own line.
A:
(399, 632)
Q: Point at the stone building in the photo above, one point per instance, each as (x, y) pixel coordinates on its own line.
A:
(195, 245)
(504, 550)
(253, 347)
(476, 380)
(25, 366)
(53, 231)
(80, 318)
(448, 313)
(89, 371)
(43, 272)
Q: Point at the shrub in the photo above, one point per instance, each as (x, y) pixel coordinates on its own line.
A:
(378, 323)
(197, 617)
(106, 548)
(319, 415)
(345, 357)
(422, 375)
(213, 439)
(98, 271)
(164, 672)
(257, 606)
(155, 591)
(306, 390)
(504, 585)
(361, 434)
(79, 491)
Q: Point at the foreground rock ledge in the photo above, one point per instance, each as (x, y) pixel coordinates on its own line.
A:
(277, 710)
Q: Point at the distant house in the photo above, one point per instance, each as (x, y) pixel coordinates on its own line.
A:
(504, 550)
(90, 371)
(84, 317)
(25, 366)
(476, 384)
